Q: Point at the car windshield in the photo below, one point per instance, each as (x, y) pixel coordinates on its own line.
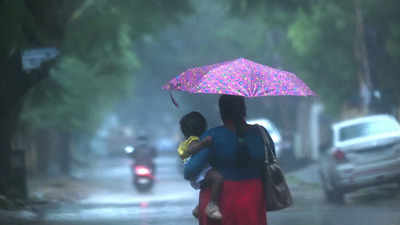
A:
(368, 129)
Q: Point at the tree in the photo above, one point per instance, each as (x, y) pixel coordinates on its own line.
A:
(324, 42)
(19, 21)
(96, 62)
(382, 40)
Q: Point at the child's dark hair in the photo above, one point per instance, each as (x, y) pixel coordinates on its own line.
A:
(193, 124)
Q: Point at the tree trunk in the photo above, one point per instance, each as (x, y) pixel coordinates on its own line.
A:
(64, 152)
(361, 55)
(14, 84)
(12, 87)
(5, 155)
(43, 148)
(8, 127)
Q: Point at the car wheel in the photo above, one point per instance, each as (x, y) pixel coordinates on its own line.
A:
(332, 195)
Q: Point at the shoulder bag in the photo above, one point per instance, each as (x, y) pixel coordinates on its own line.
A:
(277, 193)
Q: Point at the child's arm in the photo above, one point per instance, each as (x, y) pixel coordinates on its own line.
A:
(196, 146)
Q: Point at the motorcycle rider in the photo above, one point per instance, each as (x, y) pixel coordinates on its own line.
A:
(144, 153)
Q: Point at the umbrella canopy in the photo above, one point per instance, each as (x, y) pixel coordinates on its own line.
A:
(241, 77)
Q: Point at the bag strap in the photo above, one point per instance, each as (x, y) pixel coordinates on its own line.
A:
(269, 155)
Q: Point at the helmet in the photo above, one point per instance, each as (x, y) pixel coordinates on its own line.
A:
(142, 140)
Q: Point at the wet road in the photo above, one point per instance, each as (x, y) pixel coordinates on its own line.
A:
(116, 202)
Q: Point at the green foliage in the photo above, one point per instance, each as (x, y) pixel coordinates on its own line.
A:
(383, 20)
(322, 52)
(33, 23)
(319, 46)
(13, 17)
(234, 37)
(76, 96)
(98, 64)
(393, 45)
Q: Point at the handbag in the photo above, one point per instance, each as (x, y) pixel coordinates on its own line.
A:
(277, 193)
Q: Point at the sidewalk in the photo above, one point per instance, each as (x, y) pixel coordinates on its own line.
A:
(50, 192)
(45, 193)
(59, 189)
(308, 174)
(13, 216)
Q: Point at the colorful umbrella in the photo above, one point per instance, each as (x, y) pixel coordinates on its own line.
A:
(239, 77)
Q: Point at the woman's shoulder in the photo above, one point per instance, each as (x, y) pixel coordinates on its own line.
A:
(214, 130)
(217, 132)
(222, 130)
(256, 131)
(256, 128)
(252, 128)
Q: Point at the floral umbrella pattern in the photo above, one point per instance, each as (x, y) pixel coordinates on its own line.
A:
(241, 77)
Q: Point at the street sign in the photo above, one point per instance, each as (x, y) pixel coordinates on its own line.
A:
(33, 58)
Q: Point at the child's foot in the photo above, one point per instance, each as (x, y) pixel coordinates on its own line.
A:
(213, 212)
(195, 212)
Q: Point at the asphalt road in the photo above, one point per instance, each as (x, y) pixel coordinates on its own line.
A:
(114, 201)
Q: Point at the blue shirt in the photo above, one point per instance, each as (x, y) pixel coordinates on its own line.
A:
(222, 155)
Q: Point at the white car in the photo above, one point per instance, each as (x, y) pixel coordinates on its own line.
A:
(364, 152)
(273, 132)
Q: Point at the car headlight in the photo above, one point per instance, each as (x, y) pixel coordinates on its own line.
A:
(129, 149)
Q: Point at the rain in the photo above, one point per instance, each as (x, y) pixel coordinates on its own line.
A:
(92, 93)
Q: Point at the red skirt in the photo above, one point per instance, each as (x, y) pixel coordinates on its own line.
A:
(241, 203)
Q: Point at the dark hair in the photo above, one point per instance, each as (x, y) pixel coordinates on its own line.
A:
(193, 124)
(233, 108)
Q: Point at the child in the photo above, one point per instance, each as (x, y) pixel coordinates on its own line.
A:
(193, 125)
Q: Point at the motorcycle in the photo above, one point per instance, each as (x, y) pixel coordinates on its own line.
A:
(143, 178)
(143, 166)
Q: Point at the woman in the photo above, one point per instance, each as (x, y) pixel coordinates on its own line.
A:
(237, 153)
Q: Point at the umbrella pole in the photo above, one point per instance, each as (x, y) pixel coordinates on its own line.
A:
(173, 100)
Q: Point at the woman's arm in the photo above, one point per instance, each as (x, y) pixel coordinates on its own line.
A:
(195, 164)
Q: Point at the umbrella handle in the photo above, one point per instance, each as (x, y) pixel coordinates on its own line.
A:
(173, 100)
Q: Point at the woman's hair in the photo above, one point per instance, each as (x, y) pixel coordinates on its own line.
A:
(193, 124)
(233, 108)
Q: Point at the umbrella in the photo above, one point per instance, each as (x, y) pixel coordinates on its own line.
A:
(241, 77)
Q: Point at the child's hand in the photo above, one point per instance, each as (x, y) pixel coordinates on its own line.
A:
(207, 141)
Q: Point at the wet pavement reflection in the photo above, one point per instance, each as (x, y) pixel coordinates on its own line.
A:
(114, 201)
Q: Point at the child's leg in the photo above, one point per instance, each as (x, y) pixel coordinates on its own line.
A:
(195, 211)
(215, 180)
